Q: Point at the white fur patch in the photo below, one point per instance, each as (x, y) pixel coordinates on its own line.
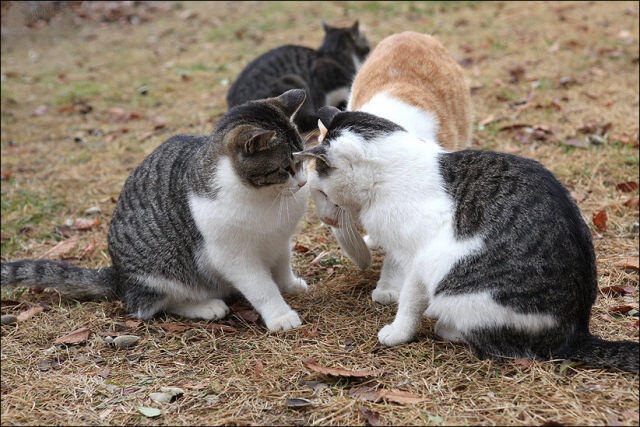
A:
(479, 310)
(421, 123)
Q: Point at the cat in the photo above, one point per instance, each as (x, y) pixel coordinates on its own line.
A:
(200, 218)
(490, 244)
(325, 74)
(411, 79)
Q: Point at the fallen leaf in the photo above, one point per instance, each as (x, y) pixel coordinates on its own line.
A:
(629, 263)
(613, 290)
(146, 136)
(88, 250)
(131, 323)
(600, 220)
(173, 327)
(402, 397)
(297, 402)
(104, 373)
(248, 315)
(50, 363)
(621, 309)
(29, 313)
(632, 202)
(300, 248)
(316, 386)
(312, 364)
(373, 418)
(85, 223)
(74, 337)
(435, 419)
(61, 248)
(5, 175)
(628, 186)
(149, 412)
(9, 303)
(257, 370)
(365, 393)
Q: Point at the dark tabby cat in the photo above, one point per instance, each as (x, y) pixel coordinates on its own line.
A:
(490, 244)
(201, 217)
(325, 74)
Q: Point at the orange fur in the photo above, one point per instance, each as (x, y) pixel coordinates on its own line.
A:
(417, 69)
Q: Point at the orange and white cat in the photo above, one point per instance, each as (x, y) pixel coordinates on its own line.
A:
(412, 80)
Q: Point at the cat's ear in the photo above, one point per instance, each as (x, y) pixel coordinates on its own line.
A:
(355, 28)
(258, 140)
(291, 101)
(323, 131)
(317, 152)
(326, 27)
(327, 114)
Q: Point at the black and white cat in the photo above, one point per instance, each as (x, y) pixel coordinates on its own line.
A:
(490, 244)
(203, 216)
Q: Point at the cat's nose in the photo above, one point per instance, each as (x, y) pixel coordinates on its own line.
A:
(301, 184)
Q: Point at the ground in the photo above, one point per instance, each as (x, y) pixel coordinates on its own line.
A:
(555, 82)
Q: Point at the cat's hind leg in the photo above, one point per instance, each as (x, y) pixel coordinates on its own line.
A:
(448, 332)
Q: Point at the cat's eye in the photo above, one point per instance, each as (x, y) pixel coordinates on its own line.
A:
(289, 170)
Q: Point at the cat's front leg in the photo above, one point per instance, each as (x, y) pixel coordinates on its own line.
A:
(284, 276)
(253, 280)
(412, 303)
(390, 282)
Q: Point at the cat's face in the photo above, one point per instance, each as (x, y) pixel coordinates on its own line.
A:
(344, 166)
(349, 40)
(260, 139)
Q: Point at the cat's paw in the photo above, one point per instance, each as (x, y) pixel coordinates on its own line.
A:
(384, 295)
(213, 309)
(287, 321)
(295, 286)
(393, 335)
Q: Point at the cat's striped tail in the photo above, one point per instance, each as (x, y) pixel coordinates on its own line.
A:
(602, 353)
(69, 280)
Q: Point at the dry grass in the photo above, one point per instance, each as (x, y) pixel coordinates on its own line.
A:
(52, 179)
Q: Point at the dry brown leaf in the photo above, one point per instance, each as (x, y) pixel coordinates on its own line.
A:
(85, 223)
(88, 250)
(577, 142)
(628, 186)
(621, 309)
(29, 313)
(300, 248)
(373, 418)
(523, 362)
(218, 327)
(173, 327)
(613, 290)
(61, 248)
(630, 263)
(632, 202)
(257, 370)
(402, 397)
(248, 315)
(74, 337)
(131, 323)
(365, 393)
(312, 364)
(600, 220)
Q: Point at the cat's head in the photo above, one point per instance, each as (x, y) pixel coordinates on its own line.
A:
(343, 169)
(259, 137)
(349, 41)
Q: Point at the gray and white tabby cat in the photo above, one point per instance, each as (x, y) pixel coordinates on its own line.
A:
(200, 218)
(325, 74)
(490, 244)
